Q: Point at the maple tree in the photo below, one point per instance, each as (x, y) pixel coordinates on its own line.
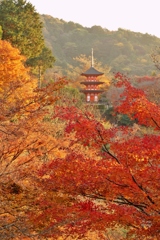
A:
(150, 84)
(27, 139)
(65, 173)
(108, 177)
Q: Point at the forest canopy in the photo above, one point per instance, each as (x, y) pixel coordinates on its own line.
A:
(122, 50)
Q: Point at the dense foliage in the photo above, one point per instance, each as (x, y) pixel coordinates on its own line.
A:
(108, 177)
(22, 27)
(23, 135)
(66, 173)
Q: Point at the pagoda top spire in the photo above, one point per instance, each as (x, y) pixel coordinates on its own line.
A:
(92, 71)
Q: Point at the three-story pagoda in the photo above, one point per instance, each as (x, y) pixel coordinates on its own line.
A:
(92, 83)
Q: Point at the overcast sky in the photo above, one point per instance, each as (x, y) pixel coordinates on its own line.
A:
(135, 15)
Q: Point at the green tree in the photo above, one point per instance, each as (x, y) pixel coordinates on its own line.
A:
(43, 61)
(1, 32)
(21, 26)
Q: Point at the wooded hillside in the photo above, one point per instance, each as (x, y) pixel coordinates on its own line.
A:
(122, 50)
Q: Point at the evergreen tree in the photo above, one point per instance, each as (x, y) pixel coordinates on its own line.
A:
(1, 32)
(21, 26)
(43, 61)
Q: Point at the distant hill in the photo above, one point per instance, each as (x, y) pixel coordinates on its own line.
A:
(122, 50)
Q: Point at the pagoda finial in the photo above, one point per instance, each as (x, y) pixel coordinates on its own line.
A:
(92, 60)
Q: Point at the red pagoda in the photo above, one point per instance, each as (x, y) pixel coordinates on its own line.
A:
(92, 83)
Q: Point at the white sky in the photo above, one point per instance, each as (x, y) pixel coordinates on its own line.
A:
(135, 15)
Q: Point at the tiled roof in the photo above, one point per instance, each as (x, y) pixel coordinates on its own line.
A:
(92, 71)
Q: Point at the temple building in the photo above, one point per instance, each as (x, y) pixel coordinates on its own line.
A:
(92, 83)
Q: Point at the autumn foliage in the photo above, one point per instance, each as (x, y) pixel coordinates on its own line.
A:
(25, 139)
(66, 174)
(108, 178)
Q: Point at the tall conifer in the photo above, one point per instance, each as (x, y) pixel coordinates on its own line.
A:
(22, 26)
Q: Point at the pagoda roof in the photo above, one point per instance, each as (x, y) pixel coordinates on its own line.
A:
(91, 83)
(92, 90)
(92, 71)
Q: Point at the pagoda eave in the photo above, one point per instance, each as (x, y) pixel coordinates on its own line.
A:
(92, 72)
(91, 91)
(91, 83)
